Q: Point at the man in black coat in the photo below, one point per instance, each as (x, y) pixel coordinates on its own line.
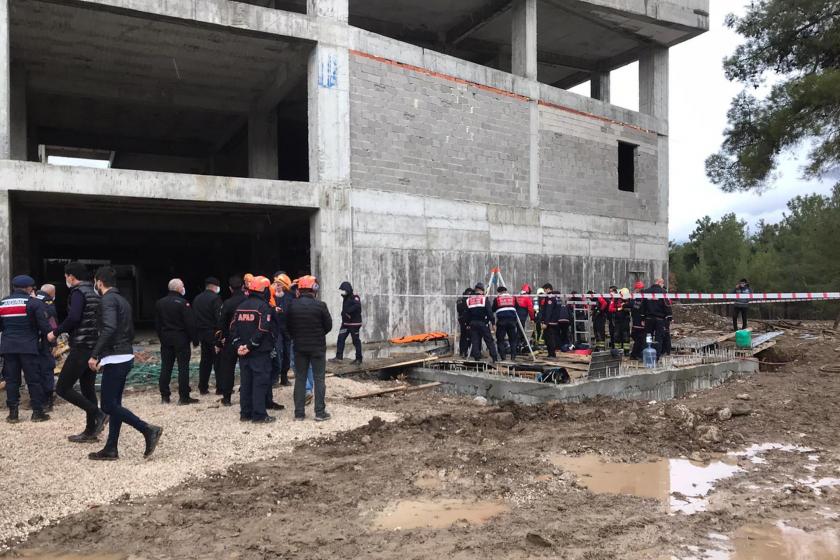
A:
(480, 314)
(351, 323)
(47, 295)
(113, 356)
(175, 326)
(464, 336)
(308, 322)
(226, 371)
(206, 307)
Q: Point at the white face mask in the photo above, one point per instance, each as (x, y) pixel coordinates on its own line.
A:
(183, 291)
(68, 284)
(342, 292)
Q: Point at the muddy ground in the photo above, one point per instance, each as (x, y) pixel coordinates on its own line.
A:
(325, 499)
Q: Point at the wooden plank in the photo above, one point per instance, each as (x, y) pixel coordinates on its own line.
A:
(762, 347)
(389, 366)
(400, 389)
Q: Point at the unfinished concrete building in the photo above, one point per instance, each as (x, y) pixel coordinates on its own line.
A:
(404, 145)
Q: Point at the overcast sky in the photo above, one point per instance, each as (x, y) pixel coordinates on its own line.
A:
(700, 96)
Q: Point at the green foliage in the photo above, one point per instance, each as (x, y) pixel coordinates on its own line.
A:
(800, 253)
(798, 41)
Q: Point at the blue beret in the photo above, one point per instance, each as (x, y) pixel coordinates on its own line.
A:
(23, 281)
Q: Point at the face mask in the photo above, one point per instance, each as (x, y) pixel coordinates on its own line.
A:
(98, 288)
(68, 284)
(217, 289)
(342, 292)
(183, 291)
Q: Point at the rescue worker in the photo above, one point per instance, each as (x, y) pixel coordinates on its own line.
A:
(539, 335)
(622, 321)
(637, 318)
(480, 314)
(283, 297)
(351, 323)
(253, 336)
(227, 351)
(206, 307)
(546, 318)
(113, 356)
(464, 336)
(741, 306)
(47, 295)
(80, 325)
(23, 321)
(175, 327)
(506, 309)
(599, 309)
(657, 317)
(309, 322)
(525, 310)
(611, 310)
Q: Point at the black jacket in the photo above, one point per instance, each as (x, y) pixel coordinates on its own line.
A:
(226, 315)
(480, 310)
(23, 321)
(744, 290)
(206, 307)
(115, 325)
(657, 308)
(253, 325)
(80, 323)
(309, 321)
(282, 303)
(351, 307)
(175, 321)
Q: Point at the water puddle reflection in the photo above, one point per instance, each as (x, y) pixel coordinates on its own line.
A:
(782, 542)
(679, 484)
(436, 514)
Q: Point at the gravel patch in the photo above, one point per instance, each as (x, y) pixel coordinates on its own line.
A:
(50, 478)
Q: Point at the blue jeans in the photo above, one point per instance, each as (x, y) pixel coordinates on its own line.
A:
(30, 365)
(113, 385)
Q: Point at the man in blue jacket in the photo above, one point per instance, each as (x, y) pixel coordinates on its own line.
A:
(24, 322)
(351, 323)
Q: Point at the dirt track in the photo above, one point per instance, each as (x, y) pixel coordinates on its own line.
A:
(323, 501)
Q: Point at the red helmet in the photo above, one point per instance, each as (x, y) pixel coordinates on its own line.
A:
(639, 285)
(525, 289)
(259, 284)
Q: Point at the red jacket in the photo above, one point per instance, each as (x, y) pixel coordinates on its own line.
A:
(527, 303)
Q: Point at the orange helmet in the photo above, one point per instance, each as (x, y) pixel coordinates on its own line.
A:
(259, 284)
(284, 280)
(247, 278)
(639, 285)
(307, 283)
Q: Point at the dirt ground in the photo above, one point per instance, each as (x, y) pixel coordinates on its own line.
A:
(339, 497)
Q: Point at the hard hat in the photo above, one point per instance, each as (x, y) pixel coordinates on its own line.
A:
(247, 278)
(307, 283)
(540, 292)
(625, 293)
(258, 284)
(639, 285)
(525, 289)
(284, 280)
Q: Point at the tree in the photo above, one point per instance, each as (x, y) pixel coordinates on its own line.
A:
(799, 41)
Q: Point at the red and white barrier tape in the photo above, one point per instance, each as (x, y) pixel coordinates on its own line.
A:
(760, 297)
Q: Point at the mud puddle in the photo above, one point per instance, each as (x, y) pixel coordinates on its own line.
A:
(780, 542)
(680, 485)
(436, 514)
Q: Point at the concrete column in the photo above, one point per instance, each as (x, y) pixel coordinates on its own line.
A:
(19, 137)
(524, 39)
(653, 83)
(334, 9)
(5, 242)
(600, 86)
(262, 145)
(331, 231)
(5, 88)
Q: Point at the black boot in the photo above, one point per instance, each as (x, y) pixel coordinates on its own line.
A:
(84, 437)
(99, 424)
(39, 416)
(152, 436)
(104, 454)
(13, 417)
(50, 403)
(225, 401)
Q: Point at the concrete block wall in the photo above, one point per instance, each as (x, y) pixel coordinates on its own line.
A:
(432, 213)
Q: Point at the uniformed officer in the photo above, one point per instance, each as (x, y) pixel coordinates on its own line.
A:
(505, 307)
(253, 336)
(23, 322)
(481, 316)
(175, 326)
(206, 307)
(47, 295)
(637, 320)
(464, 336)
(227, 352)
(351, 323)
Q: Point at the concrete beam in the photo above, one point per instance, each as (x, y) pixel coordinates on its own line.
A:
(19, 140)
(476, 21)
(262, 145)
(5, 85)
(690, 15)
(333, 9)
(600, 86)
(653, 83)
(524, 39)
